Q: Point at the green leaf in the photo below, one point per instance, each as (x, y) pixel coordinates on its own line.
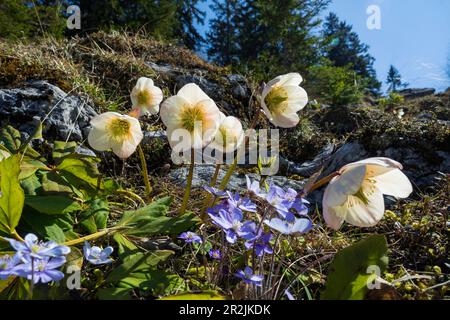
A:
(62, 149)
(12, 197)
(38, 223)
(31, 185)
(205, 295)
(157, 282)
(138, 262)
(89, 225)
(348, 276)
(126, 247)
(155, 209)
(10, 138)
(81, 172)
(152, 220)
(18, 289)
(52, 182)
(29, 166)
(164, 225)
(96, 216)
(52, 204)
(114, 294)
(55, 233)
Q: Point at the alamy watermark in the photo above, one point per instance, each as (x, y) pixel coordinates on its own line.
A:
(260, 147)
(374, 19)
(74, 19)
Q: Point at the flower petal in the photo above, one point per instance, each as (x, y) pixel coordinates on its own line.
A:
(192, 93)
(170, 111)
(362, 214)
(394, 183)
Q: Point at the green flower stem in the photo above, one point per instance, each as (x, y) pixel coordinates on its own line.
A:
(17, 236)
(129, 194)
(232, 167)
(215, 176)
(148, 186)
(209, 197)
(230, 171)
(187, 193)
(87, 238)
(30, 292)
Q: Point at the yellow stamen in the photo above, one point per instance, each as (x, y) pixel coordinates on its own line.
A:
(276, 100)
(144, 97)
(191, 115)
(119, 128)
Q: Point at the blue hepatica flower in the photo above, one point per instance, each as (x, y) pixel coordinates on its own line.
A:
(34, 248)
(97, 255)
(248, 276)
(215, 254)
(34, 259)
(8, 265)
(291, 200)
(44, 269)
(276, 197)
(260, 241)
(190, 237)
(231, 223)
(289, 227)
(214, 191)
(234, 200)
(253, 187)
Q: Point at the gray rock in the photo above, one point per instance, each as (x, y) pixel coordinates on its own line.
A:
(152, 135)
(417, 166)
(203, 174)
(416, 93)
(24, 107)
(308, 168)
(349, 152)
(164, 243)
(165, 69)
(85, 151)
(212, 89)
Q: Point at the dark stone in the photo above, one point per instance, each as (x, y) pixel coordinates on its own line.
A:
(24, 107)
(416, 93)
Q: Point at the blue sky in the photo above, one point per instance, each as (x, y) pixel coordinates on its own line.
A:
(414, 37)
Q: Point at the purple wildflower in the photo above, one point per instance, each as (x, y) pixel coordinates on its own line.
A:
(44, 269)
(292, 201)
(276, 197)
(261, 243)
(215, 254)
(297, 226)
(32, 247)
(214, 191)
(97, 255)
(235, 201)
(253, 187)
(7, 266)
(190, 237)
(248, 276)
(231, 223)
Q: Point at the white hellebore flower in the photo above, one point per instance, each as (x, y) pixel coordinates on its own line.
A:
(356, 195)
(282, 98)
(191, 117)
(229, 136)
(146, 97)
(111, 130)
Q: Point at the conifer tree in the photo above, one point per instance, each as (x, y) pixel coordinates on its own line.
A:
(344, 49)
(394, 80)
